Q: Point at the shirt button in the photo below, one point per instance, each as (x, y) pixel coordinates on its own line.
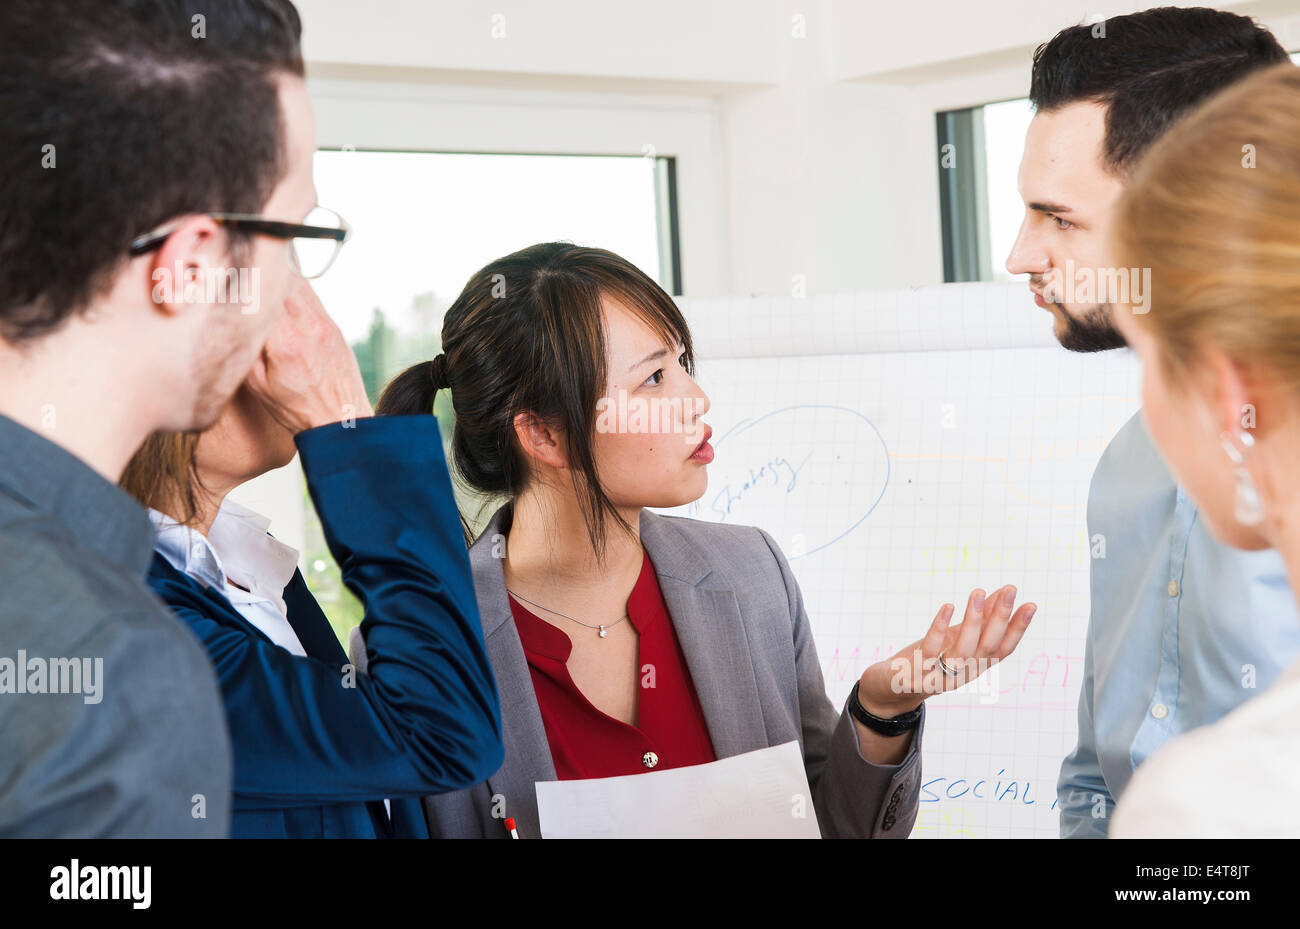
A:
(1173, 588)
(649, 759)
(1159, 711)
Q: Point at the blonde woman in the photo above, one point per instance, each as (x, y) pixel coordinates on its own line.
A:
(1214, 212)
(320, 751)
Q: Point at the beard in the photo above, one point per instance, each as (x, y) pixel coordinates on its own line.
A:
(1091, 331)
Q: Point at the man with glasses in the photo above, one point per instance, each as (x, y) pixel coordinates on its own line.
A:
(112, 355)
(116, 121)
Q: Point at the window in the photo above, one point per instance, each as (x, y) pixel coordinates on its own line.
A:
(980, 205)
(429, 220)
(1005, 125)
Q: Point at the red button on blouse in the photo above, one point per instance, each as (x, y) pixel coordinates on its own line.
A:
(586, 742)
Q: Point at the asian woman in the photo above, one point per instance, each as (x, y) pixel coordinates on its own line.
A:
(624, 641)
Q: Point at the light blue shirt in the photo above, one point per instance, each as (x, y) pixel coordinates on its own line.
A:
(1183, 629)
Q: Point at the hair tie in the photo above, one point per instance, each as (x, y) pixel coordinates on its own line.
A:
(438, 372)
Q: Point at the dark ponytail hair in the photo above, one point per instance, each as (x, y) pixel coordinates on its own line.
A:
(413, 390)
(527, 335)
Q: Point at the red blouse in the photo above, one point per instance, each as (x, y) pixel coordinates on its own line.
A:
(670, 731)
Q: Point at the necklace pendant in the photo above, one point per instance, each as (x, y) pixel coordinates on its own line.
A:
(603, 633)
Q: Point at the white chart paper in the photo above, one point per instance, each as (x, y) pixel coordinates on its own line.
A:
(761, 794)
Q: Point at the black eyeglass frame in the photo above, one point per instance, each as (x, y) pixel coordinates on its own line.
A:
(250, 222)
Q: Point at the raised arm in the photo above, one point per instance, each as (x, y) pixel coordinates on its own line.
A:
(425, 718)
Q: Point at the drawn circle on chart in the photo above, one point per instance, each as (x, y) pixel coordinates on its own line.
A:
(808, 475)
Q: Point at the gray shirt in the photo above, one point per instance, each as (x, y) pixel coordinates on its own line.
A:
(111, 720)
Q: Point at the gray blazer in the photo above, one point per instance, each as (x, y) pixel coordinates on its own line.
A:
(739, 616)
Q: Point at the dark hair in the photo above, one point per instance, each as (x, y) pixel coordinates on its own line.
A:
(1149, 69)
(152, 113)
(527, 335)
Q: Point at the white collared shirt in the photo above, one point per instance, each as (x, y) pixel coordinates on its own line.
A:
(238, 548)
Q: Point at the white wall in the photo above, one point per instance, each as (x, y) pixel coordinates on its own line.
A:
(804, 129)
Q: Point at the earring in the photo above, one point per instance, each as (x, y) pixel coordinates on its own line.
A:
(1247, 508)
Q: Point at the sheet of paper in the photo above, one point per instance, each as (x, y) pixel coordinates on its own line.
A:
(758, 795)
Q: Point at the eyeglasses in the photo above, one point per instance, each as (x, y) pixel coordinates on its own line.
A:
(313, 244)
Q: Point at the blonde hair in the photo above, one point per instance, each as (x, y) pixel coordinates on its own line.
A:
(1214, 211)
(163, 474)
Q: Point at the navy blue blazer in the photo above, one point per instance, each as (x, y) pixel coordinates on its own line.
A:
(318, 746)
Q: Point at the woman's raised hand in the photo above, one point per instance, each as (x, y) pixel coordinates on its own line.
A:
(947, 657)
(307, 374)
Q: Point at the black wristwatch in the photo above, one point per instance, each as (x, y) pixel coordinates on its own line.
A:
(894, 725)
